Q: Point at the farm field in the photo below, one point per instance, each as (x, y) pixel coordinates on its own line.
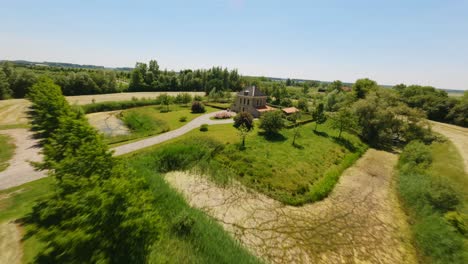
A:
(13, 111)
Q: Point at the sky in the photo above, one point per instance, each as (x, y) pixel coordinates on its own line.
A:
(390, 41)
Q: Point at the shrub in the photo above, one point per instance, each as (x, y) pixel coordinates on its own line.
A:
(198, 107)
(272, 122)
(244, 118)
(204, 127)
(198, 98)
(442, 197)
(223, 115)
(183, 119)
(183, 224)
(458, 220)
(416, 153)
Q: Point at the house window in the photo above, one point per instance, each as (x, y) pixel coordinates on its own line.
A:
(248, 101)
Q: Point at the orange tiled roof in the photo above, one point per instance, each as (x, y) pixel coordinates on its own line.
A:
(290, 110)
(265, 108)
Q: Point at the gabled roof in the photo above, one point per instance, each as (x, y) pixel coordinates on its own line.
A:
(251, 91)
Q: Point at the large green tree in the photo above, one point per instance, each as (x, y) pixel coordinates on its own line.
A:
(363, 86)
(272, 122)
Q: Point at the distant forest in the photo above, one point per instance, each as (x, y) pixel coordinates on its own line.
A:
(16, 78)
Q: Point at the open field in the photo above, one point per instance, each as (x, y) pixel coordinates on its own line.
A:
(13, 111)
(6, 151)
(359, 223)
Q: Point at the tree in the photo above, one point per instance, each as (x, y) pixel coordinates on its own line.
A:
(165, 99)
(294, 118)
(344, 119)
(99, 211)
(335, 86)
(305, 88)
(319, 115)
(272, 122)
(363, 86)
(245, 119)
(302, 104)
(198, 107)
(5, 91)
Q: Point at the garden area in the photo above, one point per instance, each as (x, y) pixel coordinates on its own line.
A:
(152, 120)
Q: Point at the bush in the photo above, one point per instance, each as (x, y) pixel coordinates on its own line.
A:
(198, 107)
(204, 127)
(244, 118)
(416, 153)
(183, 224)
(223, 115)
(272, 122)
(118, 105)
(183, 119)
(458, 220)
(442, 197)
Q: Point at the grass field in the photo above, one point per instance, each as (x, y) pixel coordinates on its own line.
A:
(6, 151)
(291, 174)
(152, 120)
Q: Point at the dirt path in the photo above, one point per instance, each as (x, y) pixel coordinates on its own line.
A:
(20, 170)
(458, 135)
(10, 247)
(358, 223)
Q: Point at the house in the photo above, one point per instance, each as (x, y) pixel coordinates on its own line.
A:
(290, 110)
(251, 100)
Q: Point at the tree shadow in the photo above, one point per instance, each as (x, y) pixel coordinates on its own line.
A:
(298, 146)
(320, 133)
(274, 137)
(345, 143)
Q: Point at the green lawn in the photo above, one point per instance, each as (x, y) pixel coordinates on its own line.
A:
(152, 120)
(6, 150)
(292, 174)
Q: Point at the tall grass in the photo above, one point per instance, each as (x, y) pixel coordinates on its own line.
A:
(190, 235)
(428, 201)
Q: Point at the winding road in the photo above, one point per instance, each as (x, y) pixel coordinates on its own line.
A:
(20, 170)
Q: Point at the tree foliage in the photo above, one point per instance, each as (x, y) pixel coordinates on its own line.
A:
(99, 212)
(318, 115)
(272, 122)
(244, 119)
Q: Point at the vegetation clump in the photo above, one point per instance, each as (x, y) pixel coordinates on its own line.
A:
(198, 107)
(272, 122)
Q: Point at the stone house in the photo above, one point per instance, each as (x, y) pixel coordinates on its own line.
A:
(251, 100)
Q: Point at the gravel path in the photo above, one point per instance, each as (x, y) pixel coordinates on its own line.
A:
(195, 123)
(20, 170)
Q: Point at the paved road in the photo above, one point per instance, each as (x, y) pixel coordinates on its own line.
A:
(20, 170)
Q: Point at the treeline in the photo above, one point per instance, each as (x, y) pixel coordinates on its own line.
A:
(99, 212)
(15, 81)
(436, 103)
(148, 77)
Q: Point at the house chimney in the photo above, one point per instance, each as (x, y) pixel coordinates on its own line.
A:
(253, 91)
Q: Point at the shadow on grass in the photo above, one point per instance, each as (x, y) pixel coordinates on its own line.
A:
(272, 136)
(298, 146)
(320, 133)
(345, 143)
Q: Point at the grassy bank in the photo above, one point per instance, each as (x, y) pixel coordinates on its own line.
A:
(295, 175)
(432, 186)
(6, 150)
(190, 236)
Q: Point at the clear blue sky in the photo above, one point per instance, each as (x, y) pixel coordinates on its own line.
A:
(391, 41)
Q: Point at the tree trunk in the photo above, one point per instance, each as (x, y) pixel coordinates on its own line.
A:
(315, 129)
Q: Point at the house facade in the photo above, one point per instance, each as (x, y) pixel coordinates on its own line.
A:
(251, 100)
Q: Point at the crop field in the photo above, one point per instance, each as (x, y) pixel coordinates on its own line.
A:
(13, 111)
